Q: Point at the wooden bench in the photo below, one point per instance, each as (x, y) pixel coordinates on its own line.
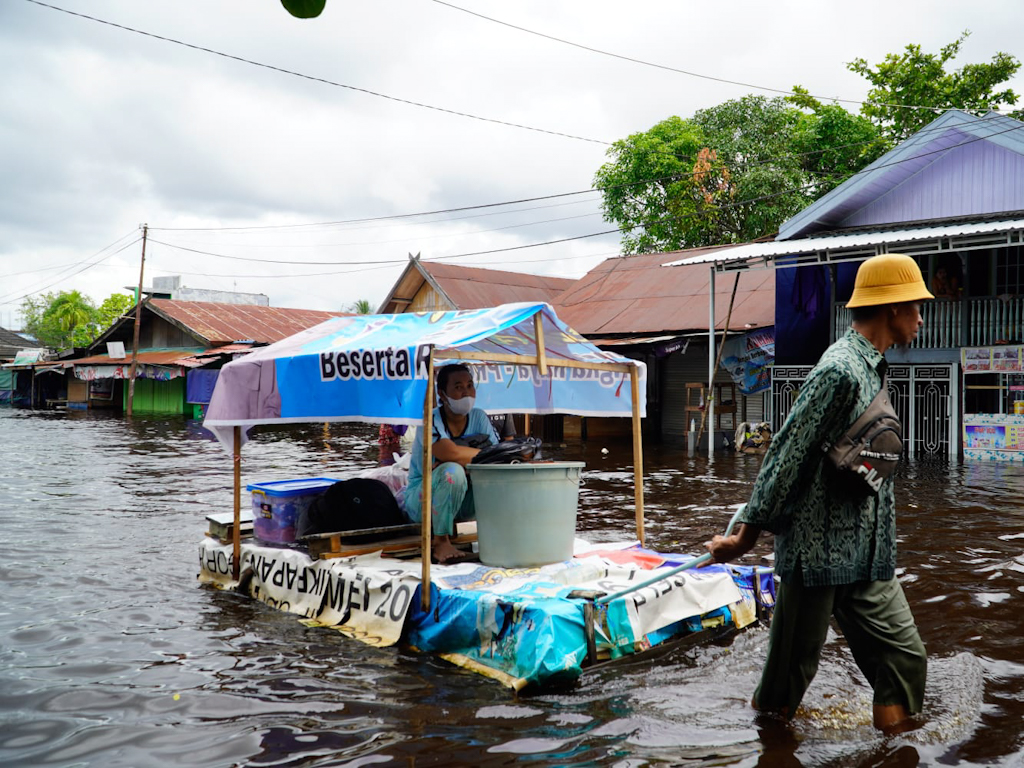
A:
(393, 540)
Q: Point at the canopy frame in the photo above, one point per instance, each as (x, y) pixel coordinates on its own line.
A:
(542, 362)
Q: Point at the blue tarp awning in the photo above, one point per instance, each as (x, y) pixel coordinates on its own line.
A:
(373, 368)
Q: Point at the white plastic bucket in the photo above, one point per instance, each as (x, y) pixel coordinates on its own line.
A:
(526, 513)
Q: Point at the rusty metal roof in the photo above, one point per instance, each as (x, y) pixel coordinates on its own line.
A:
(218, 324)
(633, 295)
(476, 288)
(183, 357)
(472, 287)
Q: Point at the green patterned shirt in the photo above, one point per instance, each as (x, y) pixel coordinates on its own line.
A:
(832, 537)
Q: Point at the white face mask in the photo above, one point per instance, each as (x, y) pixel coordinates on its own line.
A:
(461, 407)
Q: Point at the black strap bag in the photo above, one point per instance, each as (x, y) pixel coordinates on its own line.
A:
(518, 450)
(351, 505)
(870, 449)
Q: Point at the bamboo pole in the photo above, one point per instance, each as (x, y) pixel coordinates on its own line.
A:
(489, 357)
(638, 453)
(708, 403)
(538, 332)
(426, 526)
(236, 532)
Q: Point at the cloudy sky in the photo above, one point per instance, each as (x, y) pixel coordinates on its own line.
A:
(256, 180)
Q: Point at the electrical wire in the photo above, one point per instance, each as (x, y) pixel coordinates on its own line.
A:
(761, 198)
(4, 300)
(734, 167)
(789, 92)
(322, 80)
(385, 96)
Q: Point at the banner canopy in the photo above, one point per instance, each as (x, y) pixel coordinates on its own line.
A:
(373, 368)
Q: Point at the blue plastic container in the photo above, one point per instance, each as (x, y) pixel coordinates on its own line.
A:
(276, 507)
(526, 513)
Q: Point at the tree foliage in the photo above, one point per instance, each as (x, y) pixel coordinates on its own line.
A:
(730, 173)
(67, 319)
(304, 9)
(735, 172)
(360, 307)
(917, 79)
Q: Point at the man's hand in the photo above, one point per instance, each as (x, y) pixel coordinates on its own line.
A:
(726, 548)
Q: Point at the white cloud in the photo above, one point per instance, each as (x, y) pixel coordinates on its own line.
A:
(102, 129)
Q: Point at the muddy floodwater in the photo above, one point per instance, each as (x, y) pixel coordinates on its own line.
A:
(113, 655)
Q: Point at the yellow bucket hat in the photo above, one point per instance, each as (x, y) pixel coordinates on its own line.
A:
(888, 279)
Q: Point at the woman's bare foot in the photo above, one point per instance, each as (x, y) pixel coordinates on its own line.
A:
(442, 550)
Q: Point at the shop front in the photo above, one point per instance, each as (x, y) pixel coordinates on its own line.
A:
(993, 425)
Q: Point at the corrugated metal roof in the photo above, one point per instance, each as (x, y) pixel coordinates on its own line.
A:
(472, 287)
(225, 323)
(182, 357)
(853, 241)
(11, 343)
(477, 288)
(930, 145)
(632, 295)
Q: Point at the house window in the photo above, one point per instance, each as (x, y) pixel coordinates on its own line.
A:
(1009, 271)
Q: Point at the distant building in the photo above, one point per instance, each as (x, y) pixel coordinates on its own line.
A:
(171, 288)
(429, 286)
(182, 346)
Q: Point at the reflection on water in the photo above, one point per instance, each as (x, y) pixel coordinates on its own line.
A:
(114, 656)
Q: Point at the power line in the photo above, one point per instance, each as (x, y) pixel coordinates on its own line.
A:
(73, 274)
(667, 68)
(675, 176)
(760, 198)
(419, 238)
(322, 80)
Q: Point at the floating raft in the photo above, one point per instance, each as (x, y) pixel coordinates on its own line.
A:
(528, 628)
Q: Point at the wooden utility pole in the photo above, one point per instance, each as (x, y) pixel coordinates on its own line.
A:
(138, 323)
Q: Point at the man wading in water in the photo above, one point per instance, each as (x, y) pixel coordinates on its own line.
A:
(835, 549)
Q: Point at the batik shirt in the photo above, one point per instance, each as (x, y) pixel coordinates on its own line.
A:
(833, 537)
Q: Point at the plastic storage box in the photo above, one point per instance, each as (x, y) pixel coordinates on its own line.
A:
(276, 507)
(526, 513)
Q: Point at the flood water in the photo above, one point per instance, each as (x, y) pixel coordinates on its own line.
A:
(113, 655)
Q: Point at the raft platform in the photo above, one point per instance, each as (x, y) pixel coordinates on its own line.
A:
(528, 628)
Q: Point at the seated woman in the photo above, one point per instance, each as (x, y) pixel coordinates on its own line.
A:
(455, 422)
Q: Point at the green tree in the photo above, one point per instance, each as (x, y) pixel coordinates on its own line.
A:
(115, 305)
(833, 144)
(917, 79)
(67, 319)
(60, 320)
(360, 307)
(731, 173)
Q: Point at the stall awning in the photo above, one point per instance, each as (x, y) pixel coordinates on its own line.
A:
(373, 368)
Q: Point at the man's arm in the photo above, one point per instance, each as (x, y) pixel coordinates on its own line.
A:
(726, 548)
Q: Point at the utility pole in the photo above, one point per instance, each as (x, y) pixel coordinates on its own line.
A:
(138, 322)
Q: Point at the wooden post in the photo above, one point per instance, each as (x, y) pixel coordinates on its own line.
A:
(526, 424)
(427, 523)
(538, 329)
(236, 533)
(638, 453)
(138, 323)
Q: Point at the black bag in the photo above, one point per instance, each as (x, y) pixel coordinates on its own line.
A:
(473, 441)
(870, 449)
(514, 451)
(350, 505)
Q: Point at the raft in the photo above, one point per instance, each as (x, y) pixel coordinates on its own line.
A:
(530, 629)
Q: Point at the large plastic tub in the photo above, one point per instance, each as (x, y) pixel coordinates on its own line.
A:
(276, 507)
(526, 513)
